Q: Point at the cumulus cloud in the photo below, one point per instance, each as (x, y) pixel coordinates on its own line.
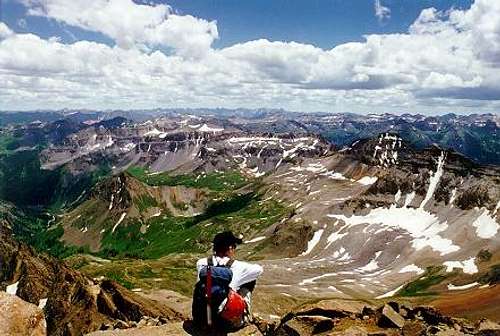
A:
(131, 24)
(381, 12)
(441, 61)
(5, 31)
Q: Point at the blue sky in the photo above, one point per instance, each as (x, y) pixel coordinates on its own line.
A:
(362, 56)
(323, 23)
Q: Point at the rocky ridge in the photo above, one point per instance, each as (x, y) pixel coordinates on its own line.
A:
(73, 303)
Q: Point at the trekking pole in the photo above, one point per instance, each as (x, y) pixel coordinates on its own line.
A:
(209, 296)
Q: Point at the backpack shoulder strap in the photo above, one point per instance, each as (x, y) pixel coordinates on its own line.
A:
(230, 263)
(210, 261)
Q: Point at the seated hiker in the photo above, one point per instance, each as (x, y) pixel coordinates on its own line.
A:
(222, 296)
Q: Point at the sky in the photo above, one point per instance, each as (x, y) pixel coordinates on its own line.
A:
(362, 56)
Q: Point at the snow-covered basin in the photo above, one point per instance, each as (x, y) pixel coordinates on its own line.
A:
(423, 226)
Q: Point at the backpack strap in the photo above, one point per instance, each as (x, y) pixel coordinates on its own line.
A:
(229, 263)
(210, 261)
(208, 291)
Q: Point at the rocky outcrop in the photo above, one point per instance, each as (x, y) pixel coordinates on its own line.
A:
(390, 319)
(73, 303)
(19, 317)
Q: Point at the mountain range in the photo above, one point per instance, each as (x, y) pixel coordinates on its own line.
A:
(333, 206)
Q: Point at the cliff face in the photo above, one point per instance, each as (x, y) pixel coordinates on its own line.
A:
(73, 303)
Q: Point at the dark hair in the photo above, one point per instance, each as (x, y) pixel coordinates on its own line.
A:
(224, 240)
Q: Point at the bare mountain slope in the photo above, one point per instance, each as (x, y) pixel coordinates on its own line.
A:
(73, 303)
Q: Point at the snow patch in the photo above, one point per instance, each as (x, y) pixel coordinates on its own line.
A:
(257, 239)
(391, 293)
(467, 266)
(412, 268)
(453, 287)
(453, 196)
(313, 242)
(119, 221)
(206, 128)
(12, 289)
(333, 237)
(434, 180)
(153, 132)
(423, 226)
(409, 198)
(111, 203)
(42, 303)
(486, 226)
(371, 266)
(156, 214)
(367, 180)
(312, 280)
(397, 196)
(128, 147)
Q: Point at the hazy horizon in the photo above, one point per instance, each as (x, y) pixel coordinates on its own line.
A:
(370, 56)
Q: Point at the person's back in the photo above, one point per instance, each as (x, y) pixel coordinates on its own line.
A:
(242, 283)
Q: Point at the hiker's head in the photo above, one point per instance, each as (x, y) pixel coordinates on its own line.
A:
(225, 243)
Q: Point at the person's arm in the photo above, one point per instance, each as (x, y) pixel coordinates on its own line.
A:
(244, 272)
(199, 264)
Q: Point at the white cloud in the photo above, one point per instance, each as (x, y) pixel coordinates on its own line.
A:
(5, 31)
(131, 24)
(381, 12)
(482, 20)
(441, 62)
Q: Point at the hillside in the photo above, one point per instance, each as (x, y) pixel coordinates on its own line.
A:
(138, 203)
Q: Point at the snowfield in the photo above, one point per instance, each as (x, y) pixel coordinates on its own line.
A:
(486, 226)
(467, 266)
(423, 226)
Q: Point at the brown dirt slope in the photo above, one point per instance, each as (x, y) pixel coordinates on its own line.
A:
(76, 304)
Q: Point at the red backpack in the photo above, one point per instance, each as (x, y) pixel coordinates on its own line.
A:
(215, 304)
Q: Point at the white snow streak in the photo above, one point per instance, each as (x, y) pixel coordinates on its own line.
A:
(411, 268)
(391, 293)
(257, 239)
(434, 180)
(312, 280)
(119, 221)
(453, 287)
(313, 242)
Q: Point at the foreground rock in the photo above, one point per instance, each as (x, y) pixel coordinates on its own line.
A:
(73, 303)
(325, 318)
(19, 317)
(178, 328)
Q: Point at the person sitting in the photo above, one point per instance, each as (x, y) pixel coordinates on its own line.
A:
(223, 293)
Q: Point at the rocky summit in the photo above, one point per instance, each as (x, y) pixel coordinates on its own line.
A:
(364, 225)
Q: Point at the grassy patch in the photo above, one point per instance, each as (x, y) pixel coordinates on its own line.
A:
(433, 275)
(23, 182)
(167, 234)
(118, 276)
(492, 277)
(8, 142)
(145, 202)
(220, 181)
(31, 227)
(163, 273)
